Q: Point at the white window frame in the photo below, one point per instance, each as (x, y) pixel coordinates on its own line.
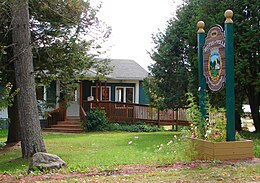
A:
(100, 96)
(124, 87)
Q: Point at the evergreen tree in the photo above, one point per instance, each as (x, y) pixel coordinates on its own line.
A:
(179, 47)
(66, 37)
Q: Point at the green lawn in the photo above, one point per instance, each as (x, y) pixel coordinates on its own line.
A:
(101, 151)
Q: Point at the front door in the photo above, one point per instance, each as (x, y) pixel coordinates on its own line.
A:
(73, 108)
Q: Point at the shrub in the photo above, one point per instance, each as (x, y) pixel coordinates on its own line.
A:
(214, 128)
(2, 144)
(138, 127)
(96, 120)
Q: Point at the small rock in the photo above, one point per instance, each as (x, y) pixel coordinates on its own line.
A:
(44, 161)
(220, 179)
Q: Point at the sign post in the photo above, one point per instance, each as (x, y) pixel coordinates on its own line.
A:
(216, 63)
(214, 67)
(230, 93)
(202, 81)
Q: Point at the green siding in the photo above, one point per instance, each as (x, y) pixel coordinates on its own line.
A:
(143, 99)
(51, 93)
(87, 88)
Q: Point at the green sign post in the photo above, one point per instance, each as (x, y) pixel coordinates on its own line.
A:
(230, 93)
(216, 63)
(202, 81)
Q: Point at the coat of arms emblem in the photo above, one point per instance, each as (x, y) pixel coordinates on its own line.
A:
(214, 58)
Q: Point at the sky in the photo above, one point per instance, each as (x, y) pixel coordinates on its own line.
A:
(133, 22)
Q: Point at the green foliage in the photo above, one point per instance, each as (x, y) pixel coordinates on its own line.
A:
(151, 89)
(216, 126)
(256, 140)
(175, 54)
(66, 38)
(138, 127)
(2, 144)
(7, 97)
(96, 120)
(214, 129)
(195, 118)
(3, 136)
(169, 81)
(179, 148)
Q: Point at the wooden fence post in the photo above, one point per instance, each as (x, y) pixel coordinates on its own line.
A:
(177, 119)
(133, 114)
(158, 118)
(126, 114)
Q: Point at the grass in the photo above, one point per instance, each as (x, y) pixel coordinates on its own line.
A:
(239, 173)
(256, 140)
(107, 150)
(101, 149)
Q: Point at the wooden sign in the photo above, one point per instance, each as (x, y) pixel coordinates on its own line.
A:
(214, 67)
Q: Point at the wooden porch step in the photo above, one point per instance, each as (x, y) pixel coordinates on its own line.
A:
(73, 119)
(64, 125)
(63, 130)
(71, 125)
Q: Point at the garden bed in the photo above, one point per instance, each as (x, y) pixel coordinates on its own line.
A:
(223, 150)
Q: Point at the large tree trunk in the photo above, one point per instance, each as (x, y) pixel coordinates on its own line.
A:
(254, 101)
(14, 125)
(31, 137)
(238, 126)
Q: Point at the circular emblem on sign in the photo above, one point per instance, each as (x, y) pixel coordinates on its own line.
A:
(214, 65)
(214, 33)
(214, 58)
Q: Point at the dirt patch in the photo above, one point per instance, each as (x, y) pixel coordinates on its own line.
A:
(120, 170)
(9, 147)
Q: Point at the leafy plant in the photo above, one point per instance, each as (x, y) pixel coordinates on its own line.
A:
(2, 144)
(212, 129)
(7, 97)
(139, 127)
(96, 120)
(179, 148)
(216, 126)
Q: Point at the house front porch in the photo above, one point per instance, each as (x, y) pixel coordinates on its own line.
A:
(120, 112)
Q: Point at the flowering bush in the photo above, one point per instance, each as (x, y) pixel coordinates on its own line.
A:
(179, 148)
(214, 128)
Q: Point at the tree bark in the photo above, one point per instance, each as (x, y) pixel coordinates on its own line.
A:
(238, 126)
(254, 101)
(14, 125)
(31, 137)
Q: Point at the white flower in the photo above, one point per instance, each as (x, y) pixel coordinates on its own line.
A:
(169, 142)
(136, 137)
(130, 142)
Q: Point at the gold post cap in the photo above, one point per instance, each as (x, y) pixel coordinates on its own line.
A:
(200, 26)
(228, 14)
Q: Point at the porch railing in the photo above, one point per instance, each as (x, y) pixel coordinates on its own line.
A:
(83, 116)
(131, 113)
(54, 116)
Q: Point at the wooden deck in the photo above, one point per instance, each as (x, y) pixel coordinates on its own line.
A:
(132, 113)
(120, 113)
